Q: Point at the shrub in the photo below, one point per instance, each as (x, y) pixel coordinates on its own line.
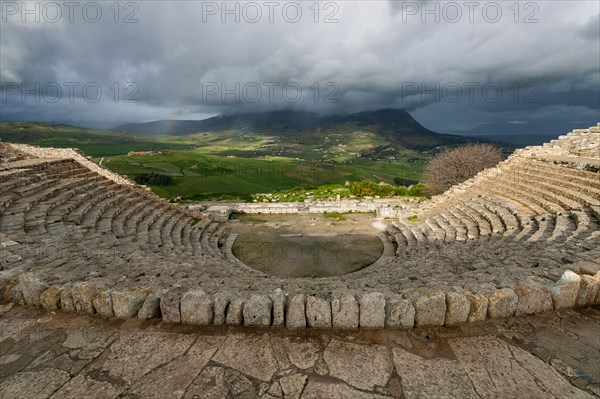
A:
(153, 179)
(368, 188)
(455, 165)
(400, 181)
(412, 191)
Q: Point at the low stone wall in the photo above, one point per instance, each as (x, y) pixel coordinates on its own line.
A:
(370, 310)
(384, 208)
(70, 153)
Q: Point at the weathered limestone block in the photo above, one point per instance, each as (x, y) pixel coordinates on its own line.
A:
(151, 307)
(66, 300)
(278, 298)
(3, 288)
(83, 294)
(532, 300)
(589, 268)
(50, 299)
(588, 290)
(318, 312)
(372, 310)
(169, 305)
(103, 304)
(564, 292)
(478, 307)
(220, 303)
(458, 307)
(597, 300)
(257, 311)
(400, 313)
(234, 312)
(502, 303)
(15, 294)
(345, 312)
(295, 316)
(32, 287)
(430, 309)
(127, 303)
(197, 308)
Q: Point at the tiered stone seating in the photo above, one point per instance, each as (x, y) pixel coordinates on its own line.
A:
(76, 237)
(51, 198)
(538, 193)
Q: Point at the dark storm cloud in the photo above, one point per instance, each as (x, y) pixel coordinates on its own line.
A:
(442, 60)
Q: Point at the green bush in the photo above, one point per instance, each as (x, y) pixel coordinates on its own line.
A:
(153, 179)
(217, 197)
(368, 188)
(400, 181)
(412, 191)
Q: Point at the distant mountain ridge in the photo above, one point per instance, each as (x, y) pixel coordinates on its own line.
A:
(396, 125)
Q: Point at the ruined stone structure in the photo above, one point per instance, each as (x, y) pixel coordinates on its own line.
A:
(521, 238)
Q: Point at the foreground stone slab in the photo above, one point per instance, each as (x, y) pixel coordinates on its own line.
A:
(498, 370)
(293, 385)
(249, 354)
(324, 389)
(135, 354)
(362, 366)
(432, 378)
(172, 379)
(345, 312)
(102, 358)
(302, 352)
(86, 387)
(220, 382)
(33, 384)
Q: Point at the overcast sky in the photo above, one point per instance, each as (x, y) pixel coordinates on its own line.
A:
(480, 64)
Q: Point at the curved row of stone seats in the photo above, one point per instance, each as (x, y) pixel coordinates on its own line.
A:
(40, 199)
(339, 311)
(575, 143)
(480, 218)
(536, 180)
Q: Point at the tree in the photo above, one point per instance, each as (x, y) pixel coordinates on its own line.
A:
(455, 165)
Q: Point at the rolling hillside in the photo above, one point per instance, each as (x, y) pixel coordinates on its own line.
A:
(396, 126)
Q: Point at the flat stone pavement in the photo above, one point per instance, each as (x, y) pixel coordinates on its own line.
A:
(47, 355)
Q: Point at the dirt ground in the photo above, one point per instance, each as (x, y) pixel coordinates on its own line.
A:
(307, 245)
